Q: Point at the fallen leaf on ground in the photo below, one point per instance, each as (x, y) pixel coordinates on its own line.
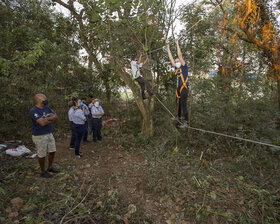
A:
(110, 193)
(17, 202)
(13, 214)
(131, 209)
(169, 222)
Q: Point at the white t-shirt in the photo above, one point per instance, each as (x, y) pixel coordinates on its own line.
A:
(136, 69)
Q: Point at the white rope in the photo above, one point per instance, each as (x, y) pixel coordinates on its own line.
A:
(216, 133)
(166, 108)
(190, 27)
(200, 20)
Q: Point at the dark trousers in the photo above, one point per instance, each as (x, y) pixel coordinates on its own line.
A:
(72, 142)
(144, 85)
(86, 130)
(182, 103)
(79, 132)
(96, 127)
(90, 124)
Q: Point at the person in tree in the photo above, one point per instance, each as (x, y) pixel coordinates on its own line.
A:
(42, 118)
(135, 67)
(182, 91)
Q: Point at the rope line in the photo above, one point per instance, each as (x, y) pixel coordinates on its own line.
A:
(217, 133)
(189, 28)
(202, 19)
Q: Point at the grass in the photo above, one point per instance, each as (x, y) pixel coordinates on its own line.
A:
(176, 177)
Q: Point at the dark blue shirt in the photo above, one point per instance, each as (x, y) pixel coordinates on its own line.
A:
(185, 72)
(35, 113)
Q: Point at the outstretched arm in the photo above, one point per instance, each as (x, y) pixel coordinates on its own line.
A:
(180, 55)
(170, 56)
(139, 59)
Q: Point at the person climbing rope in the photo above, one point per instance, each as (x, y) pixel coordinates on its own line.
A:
(135, 67)
(182, 90)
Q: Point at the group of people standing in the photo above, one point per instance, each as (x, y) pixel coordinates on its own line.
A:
(84, 119)
(81, 117)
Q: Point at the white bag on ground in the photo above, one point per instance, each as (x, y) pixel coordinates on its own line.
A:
(19, 151)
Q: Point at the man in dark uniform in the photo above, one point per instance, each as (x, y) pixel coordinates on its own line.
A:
(182, 91)
(42, 117)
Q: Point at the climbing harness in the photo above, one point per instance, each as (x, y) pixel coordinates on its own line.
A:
(183, 82)
(184, 85)
(217, 133)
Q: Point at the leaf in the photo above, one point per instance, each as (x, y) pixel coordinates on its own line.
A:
(213, 195)
(145, 48)
(2, 191)
(241, 178)
(94, 18)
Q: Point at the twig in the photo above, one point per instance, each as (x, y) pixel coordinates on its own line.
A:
(197, 181)
(79, 191)
(79, 216)
(75, 206)
(202, 205)
(201, 156)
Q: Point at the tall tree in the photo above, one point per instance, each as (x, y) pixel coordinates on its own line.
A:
(113, 31)
(37, 49)
(255, 23)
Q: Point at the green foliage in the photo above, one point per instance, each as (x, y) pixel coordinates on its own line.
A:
(37, 52)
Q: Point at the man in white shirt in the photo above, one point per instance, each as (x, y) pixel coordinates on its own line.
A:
(97, 113)
(135, 67)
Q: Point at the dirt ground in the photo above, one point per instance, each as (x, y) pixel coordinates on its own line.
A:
(116, 184)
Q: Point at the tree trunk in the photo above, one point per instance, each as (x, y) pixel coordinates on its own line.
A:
(278, 92)
(107, 89)
(147, 124)
(146, 108)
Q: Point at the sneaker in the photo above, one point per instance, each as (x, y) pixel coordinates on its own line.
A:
(175, 118)
(46, 175)
(53, 170)
(79, 156)
(72, 148)
(184, 125)
(80, 153)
